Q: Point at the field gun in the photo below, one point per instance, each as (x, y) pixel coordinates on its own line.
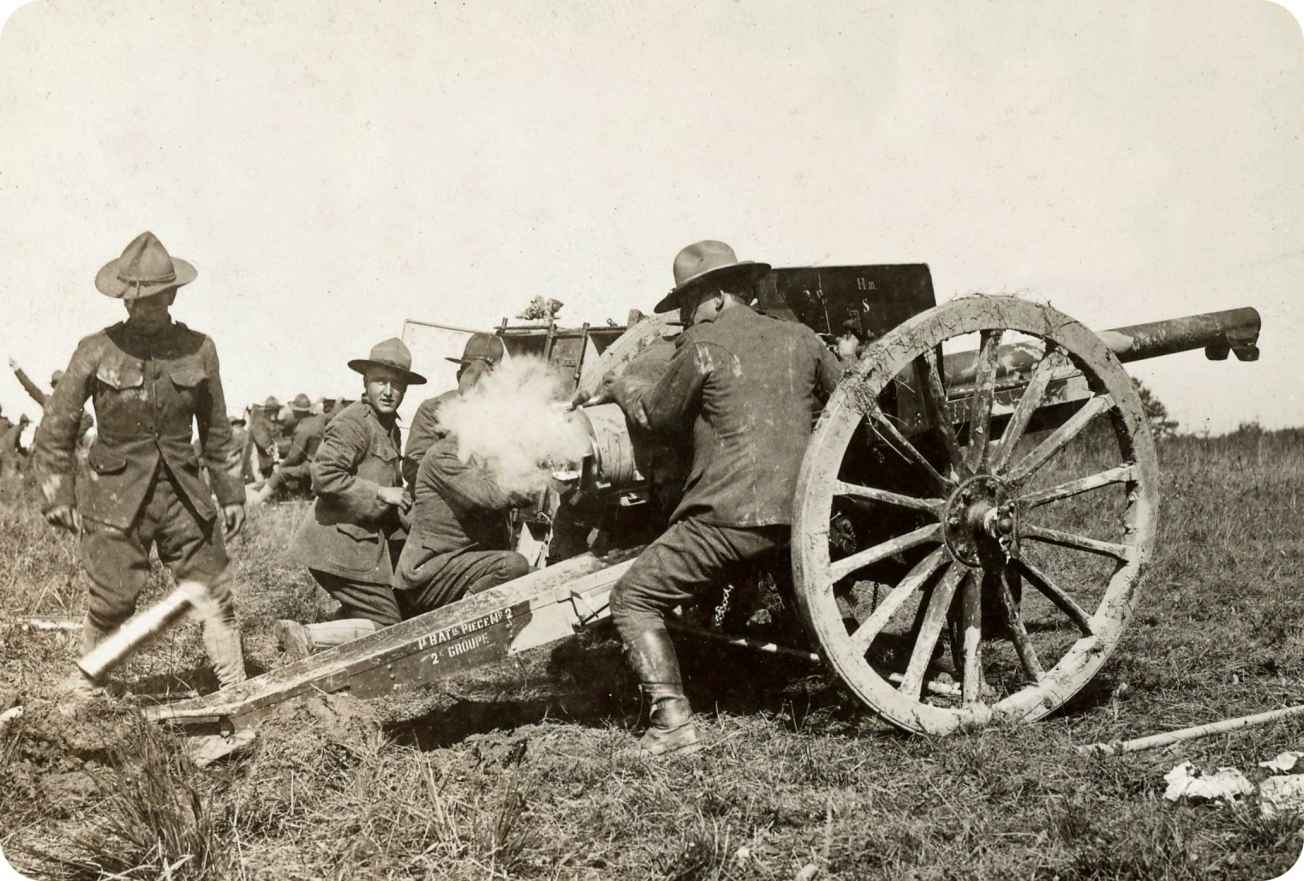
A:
(971, 449)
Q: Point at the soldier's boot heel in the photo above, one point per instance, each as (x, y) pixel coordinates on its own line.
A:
(671, 729)
(225, 651)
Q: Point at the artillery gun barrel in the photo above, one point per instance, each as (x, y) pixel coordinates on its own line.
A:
(1218, 333)
(1232, 330)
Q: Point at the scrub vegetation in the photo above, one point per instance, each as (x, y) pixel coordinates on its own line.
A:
(521, 773)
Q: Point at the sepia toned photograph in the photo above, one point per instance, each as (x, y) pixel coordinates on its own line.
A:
(689, 441)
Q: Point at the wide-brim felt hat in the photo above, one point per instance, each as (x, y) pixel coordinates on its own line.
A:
(704, 261)
(144, 269)
(301, 404)
(390, 353)
(487, 347)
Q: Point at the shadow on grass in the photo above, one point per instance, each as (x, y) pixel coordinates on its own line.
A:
(585, 681)
(1095, 694)
(175, 684)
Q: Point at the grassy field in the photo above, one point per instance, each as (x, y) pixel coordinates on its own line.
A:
(521, 778)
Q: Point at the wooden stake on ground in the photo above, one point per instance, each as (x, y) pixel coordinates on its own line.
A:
(1196, 731)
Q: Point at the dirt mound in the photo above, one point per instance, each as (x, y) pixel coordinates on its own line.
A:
(58, 761)
(320, 721)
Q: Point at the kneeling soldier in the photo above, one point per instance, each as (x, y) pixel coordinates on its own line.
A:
(459, 538)
(150, 380)
(349, 538)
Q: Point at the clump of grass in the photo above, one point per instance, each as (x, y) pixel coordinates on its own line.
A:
(156, 819)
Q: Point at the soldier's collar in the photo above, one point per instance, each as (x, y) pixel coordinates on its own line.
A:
(135, 330)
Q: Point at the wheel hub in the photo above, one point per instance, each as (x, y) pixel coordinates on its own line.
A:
(980, 521)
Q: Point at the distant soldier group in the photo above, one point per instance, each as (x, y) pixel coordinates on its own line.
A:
(395, 532)
(282, 442)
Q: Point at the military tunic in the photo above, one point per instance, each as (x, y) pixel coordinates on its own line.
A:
(425, 431)
(143, 486)
(458, 541)
(747, 387)
(12, 458)
(262, 441)
(308, 434)
(349, 537)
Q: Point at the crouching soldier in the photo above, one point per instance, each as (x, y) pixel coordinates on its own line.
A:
(349, 538)
(747, 387)
(150, 380)
(459, 536)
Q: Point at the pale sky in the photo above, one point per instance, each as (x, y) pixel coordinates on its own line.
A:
(332, 168)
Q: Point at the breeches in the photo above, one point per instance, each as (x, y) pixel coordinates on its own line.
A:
(117, 560)
(360, 599)
(681, 565)
(426, 580)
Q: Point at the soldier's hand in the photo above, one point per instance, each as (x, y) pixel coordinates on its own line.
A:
(64, 517)
(234, 517)
(394, 495)
(13, 365)
(582, 398)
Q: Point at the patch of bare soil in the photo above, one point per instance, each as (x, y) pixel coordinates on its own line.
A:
(59, 760)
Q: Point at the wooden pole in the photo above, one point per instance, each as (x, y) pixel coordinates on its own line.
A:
(141, 628)
(1196, 731)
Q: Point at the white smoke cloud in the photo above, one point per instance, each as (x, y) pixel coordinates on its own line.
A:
(515, 421)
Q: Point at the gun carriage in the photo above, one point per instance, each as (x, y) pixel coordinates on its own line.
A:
(973, 519)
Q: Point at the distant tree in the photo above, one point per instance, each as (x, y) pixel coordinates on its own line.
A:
(540, 309)
(1156, 413)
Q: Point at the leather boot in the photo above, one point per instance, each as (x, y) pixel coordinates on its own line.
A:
(79, 686)
(293, 639)
(670, 718)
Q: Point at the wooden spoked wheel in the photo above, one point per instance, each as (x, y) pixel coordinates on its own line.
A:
(907, 541)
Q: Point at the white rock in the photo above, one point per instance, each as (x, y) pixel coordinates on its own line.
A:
(1282, 794)
(9, 715)
(1186, 781)
(1283, 763)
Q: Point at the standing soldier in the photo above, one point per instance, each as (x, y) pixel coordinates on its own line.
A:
(150, 380)
(351, 535)
(263, 431)
(35, 392)
(747, 387)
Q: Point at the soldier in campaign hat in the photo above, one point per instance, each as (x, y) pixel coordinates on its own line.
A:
(482, 352)
(746, 387)
(152, 381)
(351, 536)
